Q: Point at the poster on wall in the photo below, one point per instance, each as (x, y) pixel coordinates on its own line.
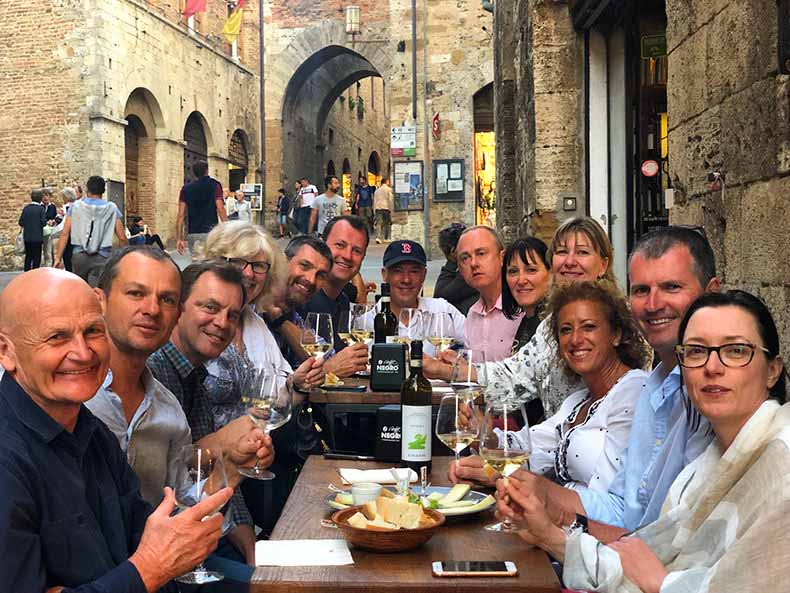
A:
(408, 189)
(253, 192)
(448, 179)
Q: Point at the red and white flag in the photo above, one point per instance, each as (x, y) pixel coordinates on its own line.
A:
(435, 127)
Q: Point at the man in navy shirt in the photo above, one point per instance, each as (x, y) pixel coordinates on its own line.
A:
(71, 514)
(202, 204)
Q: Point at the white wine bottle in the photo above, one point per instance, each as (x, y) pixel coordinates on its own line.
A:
(415, 401)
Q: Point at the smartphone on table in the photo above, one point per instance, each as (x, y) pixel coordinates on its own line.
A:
(473, 568)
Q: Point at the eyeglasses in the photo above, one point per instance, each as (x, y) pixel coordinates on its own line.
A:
(693, 356)
(258, 267)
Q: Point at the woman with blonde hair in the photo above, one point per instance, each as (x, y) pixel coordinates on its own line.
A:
(262, 263)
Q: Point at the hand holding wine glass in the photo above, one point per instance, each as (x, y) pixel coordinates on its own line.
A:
(317, 334)
(456, 424)
(200, 474)
(268, 396)
(504, 446)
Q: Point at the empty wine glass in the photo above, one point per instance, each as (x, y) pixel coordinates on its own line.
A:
(317, 334)
(468, 377)
(504, 440)
(200, 472)
(268, 396)
(456, 423)
(440, 330)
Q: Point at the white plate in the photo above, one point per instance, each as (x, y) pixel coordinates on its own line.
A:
(452, 512)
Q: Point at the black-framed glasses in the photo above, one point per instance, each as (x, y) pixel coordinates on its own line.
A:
(693, 356)
(258, 267)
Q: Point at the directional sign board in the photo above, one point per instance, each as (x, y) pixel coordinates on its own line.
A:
(403, 141)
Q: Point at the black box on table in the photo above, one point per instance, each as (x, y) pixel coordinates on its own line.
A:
(388, 366)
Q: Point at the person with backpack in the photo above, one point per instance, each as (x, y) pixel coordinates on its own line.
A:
(91, 223)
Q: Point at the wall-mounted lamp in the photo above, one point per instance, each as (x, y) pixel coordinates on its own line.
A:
(352, 19)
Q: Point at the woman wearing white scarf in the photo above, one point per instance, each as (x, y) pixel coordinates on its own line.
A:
(726, 516)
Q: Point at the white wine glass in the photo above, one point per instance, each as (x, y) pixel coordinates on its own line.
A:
(362, 326)
(468, 376)
(200, 472)
(317, 334)
(505, 443)
(440, 330)
(268, 397)
(408, 318)
(344, 322)
(456, 423)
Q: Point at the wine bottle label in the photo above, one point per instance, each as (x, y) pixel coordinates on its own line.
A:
(391, 339)
(415, 433)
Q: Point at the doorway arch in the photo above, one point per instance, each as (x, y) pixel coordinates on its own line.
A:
(239, 160)
(143, 117)
(195, 144)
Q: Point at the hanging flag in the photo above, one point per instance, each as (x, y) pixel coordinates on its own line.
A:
(193, 7)
(437, 133)
(232, 27)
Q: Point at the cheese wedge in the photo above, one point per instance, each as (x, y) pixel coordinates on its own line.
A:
(403, 514)
(369, 510)
(358, 520)
(382, 524)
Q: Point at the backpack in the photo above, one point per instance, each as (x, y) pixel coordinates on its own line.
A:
(91, 225)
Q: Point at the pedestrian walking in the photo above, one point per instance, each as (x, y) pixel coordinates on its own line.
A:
(33, 220)
(69, 197)
(383, 204)
(363, 202)
(283, 207)
(91, 223)
(201, 204)
(308, 193)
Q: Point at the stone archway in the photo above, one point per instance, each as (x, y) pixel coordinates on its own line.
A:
(312, 72)
(195, 144)
(330, 168)
(239, 159)
(143, 116)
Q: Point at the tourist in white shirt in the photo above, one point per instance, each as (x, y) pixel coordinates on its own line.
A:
(243, 207)
(404, 270)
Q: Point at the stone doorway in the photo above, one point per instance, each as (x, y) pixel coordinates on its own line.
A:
(195, 145)
(239, 160)
(143, 116)
(485, 157)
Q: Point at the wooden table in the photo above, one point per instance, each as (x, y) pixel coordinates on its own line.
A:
(408, 572)
(368, 397)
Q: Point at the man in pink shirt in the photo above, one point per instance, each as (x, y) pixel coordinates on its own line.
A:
(480, 252)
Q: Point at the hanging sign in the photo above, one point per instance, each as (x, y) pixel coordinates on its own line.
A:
(437, 133)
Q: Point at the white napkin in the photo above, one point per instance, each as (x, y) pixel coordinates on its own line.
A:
(302, 552)
(377, 476)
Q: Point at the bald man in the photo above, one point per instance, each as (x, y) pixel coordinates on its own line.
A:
(71, 514)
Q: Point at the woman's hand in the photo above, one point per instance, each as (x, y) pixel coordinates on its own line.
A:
(640, 565)
(517, 501)
(435, 368)
(472, 470)
(309, 374)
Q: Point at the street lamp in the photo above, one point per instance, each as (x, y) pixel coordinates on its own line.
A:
(352, 19)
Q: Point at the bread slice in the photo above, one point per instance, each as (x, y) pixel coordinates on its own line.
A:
(381, 524)
(358, 520)
(399, 512)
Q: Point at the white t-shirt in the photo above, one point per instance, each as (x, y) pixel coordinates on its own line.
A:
(432, 305)
(308, 194)
(243, 209)
(328, 208)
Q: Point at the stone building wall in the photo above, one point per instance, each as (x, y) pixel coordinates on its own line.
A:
(540, 102)
(729, 112)
(354, 138)
(66, 96)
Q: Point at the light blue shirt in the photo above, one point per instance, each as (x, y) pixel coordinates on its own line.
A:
(154, 437)
(663, 441)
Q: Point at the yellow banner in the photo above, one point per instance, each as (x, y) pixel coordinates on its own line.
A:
(232, 27)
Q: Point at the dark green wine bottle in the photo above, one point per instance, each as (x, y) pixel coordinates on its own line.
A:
(415, 402)
(385, 324)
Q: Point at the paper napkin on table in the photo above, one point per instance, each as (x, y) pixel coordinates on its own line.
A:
(302, 552)
(377, 476)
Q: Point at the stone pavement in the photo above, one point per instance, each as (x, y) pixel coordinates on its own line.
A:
(371, 267)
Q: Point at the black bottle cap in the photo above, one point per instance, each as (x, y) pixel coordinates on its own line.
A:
(416, 350)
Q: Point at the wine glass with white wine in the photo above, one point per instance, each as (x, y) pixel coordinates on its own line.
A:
(344, 322)
(268, 395)
(504, 440)
(362, 325)
(468, 379)
(199, 473)
(456, 423)
(317, 334)
(409, 319)
(440, 330)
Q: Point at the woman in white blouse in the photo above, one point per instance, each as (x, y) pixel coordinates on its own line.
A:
(598, 340)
